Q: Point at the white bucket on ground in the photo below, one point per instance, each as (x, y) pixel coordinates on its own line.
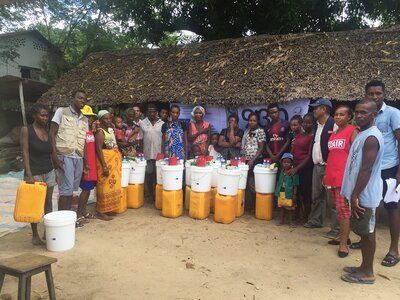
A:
(126, 169)
(159, 172)
(265, 179)
(60, 230)
(201, 179)
(137, 172)
(188, 179)
(214, 178)
(172, 177)
(243, 179)
(228, 181)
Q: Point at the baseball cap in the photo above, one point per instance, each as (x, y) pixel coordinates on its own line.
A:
(87, 111)
(320, 102)
(287, 155)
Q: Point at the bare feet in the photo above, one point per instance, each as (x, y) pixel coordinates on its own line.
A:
(37, 241)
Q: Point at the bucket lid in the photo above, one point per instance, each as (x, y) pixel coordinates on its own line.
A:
(263, 170)
(61, 215)
(233, 172)
(244, 167)
(172, 168)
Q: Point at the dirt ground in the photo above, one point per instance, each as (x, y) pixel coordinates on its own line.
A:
(141, 255)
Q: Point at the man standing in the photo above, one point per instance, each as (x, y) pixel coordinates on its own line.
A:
(320, 198)
(152, 138)
(362, 187)
(388, 122)
(68, 134)
(277, 133)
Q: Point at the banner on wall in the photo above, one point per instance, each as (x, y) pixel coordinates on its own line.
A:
(216, 115)
(287, 111)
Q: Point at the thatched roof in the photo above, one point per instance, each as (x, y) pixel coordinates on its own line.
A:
(255, 69)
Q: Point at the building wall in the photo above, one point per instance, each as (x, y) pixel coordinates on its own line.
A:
(31, 50)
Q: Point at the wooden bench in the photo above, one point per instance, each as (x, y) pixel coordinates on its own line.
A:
(24, 266)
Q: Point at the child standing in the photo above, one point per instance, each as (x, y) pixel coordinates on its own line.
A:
(286, 189)
(89, 177)
(213, 149)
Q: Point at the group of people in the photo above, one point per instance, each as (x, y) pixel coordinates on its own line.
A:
(325, 162)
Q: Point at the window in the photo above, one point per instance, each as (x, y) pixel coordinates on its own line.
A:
(30, 73)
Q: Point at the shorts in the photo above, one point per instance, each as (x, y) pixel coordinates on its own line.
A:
(341, 203)
(87, 185)
(365, 224)
(70, 176)
(48, 178)
(386, 174)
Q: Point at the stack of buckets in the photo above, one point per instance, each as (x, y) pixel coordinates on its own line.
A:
(159, 185)
(242, 188)
(188, 183)
(172, 194)
(226, 198)
(214, 183)
(135, 189)
(126, 169)
(265, 179)
(200, 194)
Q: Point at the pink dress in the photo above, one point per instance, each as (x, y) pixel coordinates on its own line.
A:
(202, 139)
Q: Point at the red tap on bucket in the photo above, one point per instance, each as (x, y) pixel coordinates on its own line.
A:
(209, 158)
(234, 163)
(159, 156)
(201, 161)
(173, 161)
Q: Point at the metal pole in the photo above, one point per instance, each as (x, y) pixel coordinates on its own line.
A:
(21, 99)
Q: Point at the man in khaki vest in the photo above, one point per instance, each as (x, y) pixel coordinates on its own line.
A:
(68, 133)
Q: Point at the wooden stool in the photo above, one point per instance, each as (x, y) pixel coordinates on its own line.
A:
(24, 266)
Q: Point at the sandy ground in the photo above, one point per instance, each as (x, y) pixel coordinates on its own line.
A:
(141, 255)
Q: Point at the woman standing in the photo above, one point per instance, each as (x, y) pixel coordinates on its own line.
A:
(301, 149)
(109, 166)
(174, 135)
(230, 138)
(339, 147)
(253, 143)
(36, 153)
(199, 130)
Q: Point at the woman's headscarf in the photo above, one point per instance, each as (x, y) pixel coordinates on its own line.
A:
(196, 108)
(102, 113)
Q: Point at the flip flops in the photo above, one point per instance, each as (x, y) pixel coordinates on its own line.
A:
(353, 278)
(350, 270)
(390, 260)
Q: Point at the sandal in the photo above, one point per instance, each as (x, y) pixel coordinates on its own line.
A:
(350, 270)
(390, 260)
(78, 224)
(89, 216)
(353, 278)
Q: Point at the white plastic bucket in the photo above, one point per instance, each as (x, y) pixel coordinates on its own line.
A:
(172, 177)
(243, 178)
(228, 181)
(159, 172)
(264, 179)
(201, 179)
(188, 179)
(60, 230)
(126, 169)
(214, 178)
(137, 172)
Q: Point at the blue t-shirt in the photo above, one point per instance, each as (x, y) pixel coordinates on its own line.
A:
(371, 195)
(387, 121)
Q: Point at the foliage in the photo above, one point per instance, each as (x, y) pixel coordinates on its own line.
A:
(8, 53)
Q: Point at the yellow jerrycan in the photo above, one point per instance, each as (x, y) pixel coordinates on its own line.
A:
(225, 209)
(264, 206)
(135, 195)
(199, 205)
(29, 204)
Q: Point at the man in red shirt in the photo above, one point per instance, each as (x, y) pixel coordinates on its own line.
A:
(277, 131)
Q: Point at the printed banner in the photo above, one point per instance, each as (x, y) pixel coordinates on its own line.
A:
(216, 115)
(287, 111)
